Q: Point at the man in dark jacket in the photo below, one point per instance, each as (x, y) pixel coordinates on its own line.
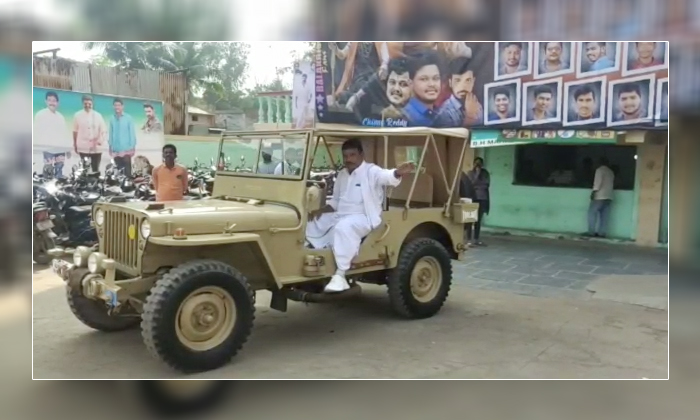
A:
(475, 185)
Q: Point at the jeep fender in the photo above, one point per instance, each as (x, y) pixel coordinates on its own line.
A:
(220, 239)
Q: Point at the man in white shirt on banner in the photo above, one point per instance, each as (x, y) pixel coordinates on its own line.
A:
(601, 200)
(51, 133)
(89, 131)
(354, 210)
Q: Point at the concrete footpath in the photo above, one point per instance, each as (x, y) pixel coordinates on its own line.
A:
(481, 333)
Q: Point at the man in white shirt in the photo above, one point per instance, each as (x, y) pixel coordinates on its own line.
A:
(601, 200)
(51, 133)
(89, 131)
(354, 210)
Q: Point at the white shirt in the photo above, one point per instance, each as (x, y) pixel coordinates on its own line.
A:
(350, 200)
(603, 183)
(51, 132)
(89, 125)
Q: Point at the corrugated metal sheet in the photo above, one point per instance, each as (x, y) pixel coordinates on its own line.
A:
(170, 88)
(173, 93)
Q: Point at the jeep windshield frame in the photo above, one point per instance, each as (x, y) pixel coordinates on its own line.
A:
(278, 155)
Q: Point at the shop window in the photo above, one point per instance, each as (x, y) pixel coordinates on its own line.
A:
(568, 166)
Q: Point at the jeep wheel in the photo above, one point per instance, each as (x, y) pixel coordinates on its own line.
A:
(198, 316)
(94, 313)
(420, 283)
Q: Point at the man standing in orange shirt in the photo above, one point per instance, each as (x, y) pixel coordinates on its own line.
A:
(169, 179)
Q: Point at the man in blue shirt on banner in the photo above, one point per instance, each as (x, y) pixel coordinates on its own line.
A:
(424, 71)
(122, 137)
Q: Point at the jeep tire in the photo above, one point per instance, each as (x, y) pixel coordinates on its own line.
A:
(420, 283)
(94, 313)
(198, 316)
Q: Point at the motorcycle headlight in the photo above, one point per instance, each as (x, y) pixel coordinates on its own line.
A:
(99, 217)
(145, 229)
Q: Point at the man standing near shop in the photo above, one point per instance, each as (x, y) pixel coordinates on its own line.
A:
(169, 179)
(601, 200)
(477, 184)
(89, 129)
(122, 137)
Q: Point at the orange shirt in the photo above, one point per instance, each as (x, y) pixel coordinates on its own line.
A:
(170, 184)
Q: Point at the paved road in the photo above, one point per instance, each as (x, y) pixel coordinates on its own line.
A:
(479, 334)
(550, 267)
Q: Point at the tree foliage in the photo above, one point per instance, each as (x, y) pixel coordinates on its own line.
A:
(215, 71)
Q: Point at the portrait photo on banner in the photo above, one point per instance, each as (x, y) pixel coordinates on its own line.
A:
(661, 111)
(631, 100)
(512, 59)
(553, 59)
(644, 57)
(542, 102)
(596, 58)
(399, 84)
(502, 102)
(584, 102)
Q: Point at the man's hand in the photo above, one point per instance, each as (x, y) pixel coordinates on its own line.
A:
(404, 168)
(383, 72)
(592, 195)
(472, 107)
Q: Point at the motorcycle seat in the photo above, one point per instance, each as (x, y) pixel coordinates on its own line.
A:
(79, 210)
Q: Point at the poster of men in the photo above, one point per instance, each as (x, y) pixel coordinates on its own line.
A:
(548, 84)
(70, 127)
(303, 102)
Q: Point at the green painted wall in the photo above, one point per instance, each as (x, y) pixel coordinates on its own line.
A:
(544, 209)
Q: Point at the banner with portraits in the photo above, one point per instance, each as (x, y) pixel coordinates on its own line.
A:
(303, 102)
(494, 85)
(73, 126)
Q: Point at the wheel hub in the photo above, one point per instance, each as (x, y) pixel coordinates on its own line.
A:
(205, 318)
(426, 279)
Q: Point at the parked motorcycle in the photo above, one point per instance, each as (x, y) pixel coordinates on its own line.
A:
(43, 235)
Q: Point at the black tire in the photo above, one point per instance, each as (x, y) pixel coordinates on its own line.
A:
(161, 400)
(159, 319)
(402, 299)
(42, 244)
(94, 314)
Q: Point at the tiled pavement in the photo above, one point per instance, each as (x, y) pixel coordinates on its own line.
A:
(551, 267)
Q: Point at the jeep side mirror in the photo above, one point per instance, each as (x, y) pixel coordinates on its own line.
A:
(315, 198)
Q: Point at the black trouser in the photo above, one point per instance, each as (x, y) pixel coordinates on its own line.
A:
(123, 162)
(95, 159)
(477, 225)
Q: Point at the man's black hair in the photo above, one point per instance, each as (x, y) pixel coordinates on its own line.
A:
(561, 44)
(459, 65)
(352, 144)
(630, 87)
(426, 58)
(50, 94)
(543, 89)
(501, 91)
(86, 98)
(584, 90)
(600, 44)
(398, 65)
(171, 147)
(517, 44)
(117, 101)
(147, 105)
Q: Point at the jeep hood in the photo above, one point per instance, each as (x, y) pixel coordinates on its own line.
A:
(213, 216)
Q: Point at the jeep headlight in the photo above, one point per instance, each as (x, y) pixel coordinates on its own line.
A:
(80, 256)
(145, 229)
(94, 262)
(99, 217)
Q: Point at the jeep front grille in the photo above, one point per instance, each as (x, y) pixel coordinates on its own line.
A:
(117, 244)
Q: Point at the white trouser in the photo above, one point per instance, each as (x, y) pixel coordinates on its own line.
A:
(343, 233)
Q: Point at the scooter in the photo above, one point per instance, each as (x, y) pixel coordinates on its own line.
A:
(43, 235)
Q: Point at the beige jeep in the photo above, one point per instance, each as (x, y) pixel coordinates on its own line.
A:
(187, 271)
